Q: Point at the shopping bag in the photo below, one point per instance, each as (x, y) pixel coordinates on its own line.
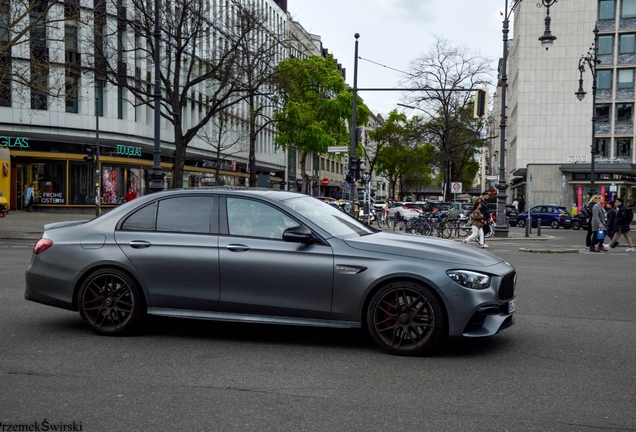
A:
(600, 234)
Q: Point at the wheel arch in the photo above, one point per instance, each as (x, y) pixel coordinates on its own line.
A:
(91, 270)
(381, 283)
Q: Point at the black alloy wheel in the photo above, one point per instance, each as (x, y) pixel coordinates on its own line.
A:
(554, 224)
(576, 225)
(521, 223)
(405, 318)
(110, 302)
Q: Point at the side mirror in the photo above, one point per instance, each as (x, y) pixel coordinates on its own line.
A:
(298, 234)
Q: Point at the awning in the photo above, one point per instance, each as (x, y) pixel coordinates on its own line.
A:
(608, 168)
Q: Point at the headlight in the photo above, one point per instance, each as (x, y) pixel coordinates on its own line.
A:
(469, 279)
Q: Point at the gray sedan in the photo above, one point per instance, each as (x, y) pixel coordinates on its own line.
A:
(264, 256)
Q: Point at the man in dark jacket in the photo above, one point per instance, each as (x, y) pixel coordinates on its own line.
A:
(622, 225)
(522, 204)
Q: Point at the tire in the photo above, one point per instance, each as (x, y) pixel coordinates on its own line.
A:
(554, 224)
(388, 221)
(414, 327)
(463, 230)
(110, 302)
(576, 225)
(521, 223)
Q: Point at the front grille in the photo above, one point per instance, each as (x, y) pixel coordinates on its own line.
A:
(507, 286)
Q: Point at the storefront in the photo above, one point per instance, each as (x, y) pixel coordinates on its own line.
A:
(62, 179)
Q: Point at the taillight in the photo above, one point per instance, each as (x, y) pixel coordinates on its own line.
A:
(42, 245)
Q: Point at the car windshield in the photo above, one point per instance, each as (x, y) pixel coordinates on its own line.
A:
(332, 220)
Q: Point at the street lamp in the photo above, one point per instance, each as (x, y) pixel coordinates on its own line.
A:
(157, 175)
(592, 61)
(502, 229)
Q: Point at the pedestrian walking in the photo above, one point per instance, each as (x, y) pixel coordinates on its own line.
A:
(522, 204)
(29, 198)
(598, 224)
(477, 225)
(515, 203)
(485, 212)
(622, 225)
(586, 211)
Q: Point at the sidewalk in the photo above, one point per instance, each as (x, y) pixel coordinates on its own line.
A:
(29, 226)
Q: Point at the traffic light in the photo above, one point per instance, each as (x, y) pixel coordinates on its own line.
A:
(90, 158)
(481, 104)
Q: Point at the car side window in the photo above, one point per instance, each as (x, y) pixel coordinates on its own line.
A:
(191, 214)
(249, 218)
(142, 220)
(535, 210)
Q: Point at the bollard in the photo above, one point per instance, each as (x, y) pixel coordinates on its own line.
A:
(539, 228)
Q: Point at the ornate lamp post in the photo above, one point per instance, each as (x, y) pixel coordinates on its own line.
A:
(502, 229)
(592, 61)
(157, 175)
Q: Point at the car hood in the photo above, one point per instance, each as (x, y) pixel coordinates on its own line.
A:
(427, 248)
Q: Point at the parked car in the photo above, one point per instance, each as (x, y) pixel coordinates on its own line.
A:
(579, 221)
(512, 214)
(380, 204)
(238, 254)
(406, 210)
(548, 215)
(461, 210)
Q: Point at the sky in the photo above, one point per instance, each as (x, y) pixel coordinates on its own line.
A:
(395, 32)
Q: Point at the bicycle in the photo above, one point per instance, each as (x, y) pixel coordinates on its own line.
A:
(383, 218)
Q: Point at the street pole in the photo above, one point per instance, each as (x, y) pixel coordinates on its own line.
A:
(96, 175)
(592, 61)
(502, 229)
(354, 131)
(157, 175)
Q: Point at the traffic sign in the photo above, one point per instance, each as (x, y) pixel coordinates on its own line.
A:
(491, 178)
(325, 182)
(338, 149)
(456, 187)
(366, 176)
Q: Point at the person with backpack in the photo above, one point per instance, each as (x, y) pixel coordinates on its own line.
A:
(610, 222)
(624, 217)
(484, 211)
(586, 211)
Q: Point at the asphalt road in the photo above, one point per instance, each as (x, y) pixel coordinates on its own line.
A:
(567, 365)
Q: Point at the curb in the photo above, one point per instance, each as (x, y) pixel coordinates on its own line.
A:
(552, 251)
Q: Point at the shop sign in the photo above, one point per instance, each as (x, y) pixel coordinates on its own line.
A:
(616, 159)
(128, 150)
(52, 198)
(19, 142)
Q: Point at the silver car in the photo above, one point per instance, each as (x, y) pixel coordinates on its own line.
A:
(263, 256)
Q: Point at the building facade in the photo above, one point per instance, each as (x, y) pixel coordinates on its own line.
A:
(549, 136)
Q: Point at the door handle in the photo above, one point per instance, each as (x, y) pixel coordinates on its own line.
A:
(237, 248)
(139, 244)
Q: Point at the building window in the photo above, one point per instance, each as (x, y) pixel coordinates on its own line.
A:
(606, 10)
(602, 147)
(623, 147)
(82, 189)
(628, 9)
(625, 113)
(71, 93)
(116, 181)
(606, 45)
(50, 182)
(626, 43)
(99, 98)
(604, 79)
(603, 112)
(625, 78)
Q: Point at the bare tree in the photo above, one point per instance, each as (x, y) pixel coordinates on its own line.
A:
(224, 140)
(444, 70)
(34, 38)
(200, 53)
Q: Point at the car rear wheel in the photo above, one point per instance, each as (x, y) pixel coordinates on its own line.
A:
(554, 224)
(110, 302)
(405, 318)
(521, 223)
(576, 225)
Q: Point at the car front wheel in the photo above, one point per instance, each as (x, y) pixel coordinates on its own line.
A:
(110, 302)
(405, 318)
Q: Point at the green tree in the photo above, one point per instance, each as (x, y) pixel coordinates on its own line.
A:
(315, 107)
(401, 156)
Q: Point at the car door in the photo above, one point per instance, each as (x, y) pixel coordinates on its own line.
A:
(535, 214)
(264, 275)
(174, 246)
